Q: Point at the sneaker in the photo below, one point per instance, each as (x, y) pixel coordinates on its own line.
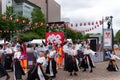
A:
(8, 77)
(70, 74)
(91, 71)
(75, 74)
(84, 70)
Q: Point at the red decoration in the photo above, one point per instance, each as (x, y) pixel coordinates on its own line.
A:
(80, 24)
(66, 25)
(10, 18)
(76, 25)
(71, 25)
(96, 22)
(4, 17)
(30, 23)
(41, 24)
(95, 26)
(84, 24)
(92, 23)
(36, 24)
(23, 21)
(47, 25)
(17, 20)
(88, 23)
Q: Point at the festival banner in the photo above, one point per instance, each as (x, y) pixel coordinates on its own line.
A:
(107, 39)
(54, 37)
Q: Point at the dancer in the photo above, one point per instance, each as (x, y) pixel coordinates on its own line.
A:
(87, 62)
(36, 72)
(18, 71)
(51, 68)
(3, 72)
(112, 66)
(72, 62)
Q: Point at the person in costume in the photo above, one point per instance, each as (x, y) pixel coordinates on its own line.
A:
(72, 62)
(18, 70)
(51, 68)
(3, 72)
(8, 57)
(112, 66)
(37, 71)
(59, 58)
(87, 61)
(24, 57)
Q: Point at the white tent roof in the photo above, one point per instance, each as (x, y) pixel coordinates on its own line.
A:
(37, 41)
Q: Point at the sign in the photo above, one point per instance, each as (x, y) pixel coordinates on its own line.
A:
(107, 38)
(54, 37)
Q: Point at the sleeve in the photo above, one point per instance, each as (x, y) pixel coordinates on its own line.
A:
(45, 63)
(117, 57)
(92, 52)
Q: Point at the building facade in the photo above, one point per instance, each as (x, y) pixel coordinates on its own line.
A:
(23, 8)
(50, 8)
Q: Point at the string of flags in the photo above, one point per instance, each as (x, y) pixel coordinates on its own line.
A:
(95, 24)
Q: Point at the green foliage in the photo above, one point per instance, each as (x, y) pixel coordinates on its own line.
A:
(38, 16)
(117, 36)
(73, 35)
(86, 36)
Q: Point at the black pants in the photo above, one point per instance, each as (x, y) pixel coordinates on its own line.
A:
(3, 72)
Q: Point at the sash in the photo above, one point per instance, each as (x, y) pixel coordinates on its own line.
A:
(77, 63)
(51, 70)
(14, 71)
(40, 73)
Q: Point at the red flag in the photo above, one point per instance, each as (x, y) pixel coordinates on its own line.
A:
(84, 24)
(96, 22)
(80, 24)
(71, 25)
(88, 23)
(76, 25)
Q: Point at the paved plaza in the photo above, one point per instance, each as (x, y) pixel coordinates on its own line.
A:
(99, 73)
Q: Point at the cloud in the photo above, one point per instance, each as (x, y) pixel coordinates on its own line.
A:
(91, 10)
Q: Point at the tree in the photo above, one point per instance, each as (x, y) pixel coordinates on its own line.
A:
(86, 36)
(117, 36)
(38, 16)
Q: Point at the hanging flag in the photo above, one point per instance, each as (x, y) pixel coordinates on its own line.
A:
(84, 24)
(71, 25)
(80, 24)
(96, 22)
(76, 25)
(92, 23)
(88, 23)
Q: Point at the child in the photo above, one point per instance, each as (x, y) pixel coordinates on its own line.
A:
(3, 72)
(112, 66)
(37, 71)
(87, 61)
(51, 68)
(18, 71)
(72, 62)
